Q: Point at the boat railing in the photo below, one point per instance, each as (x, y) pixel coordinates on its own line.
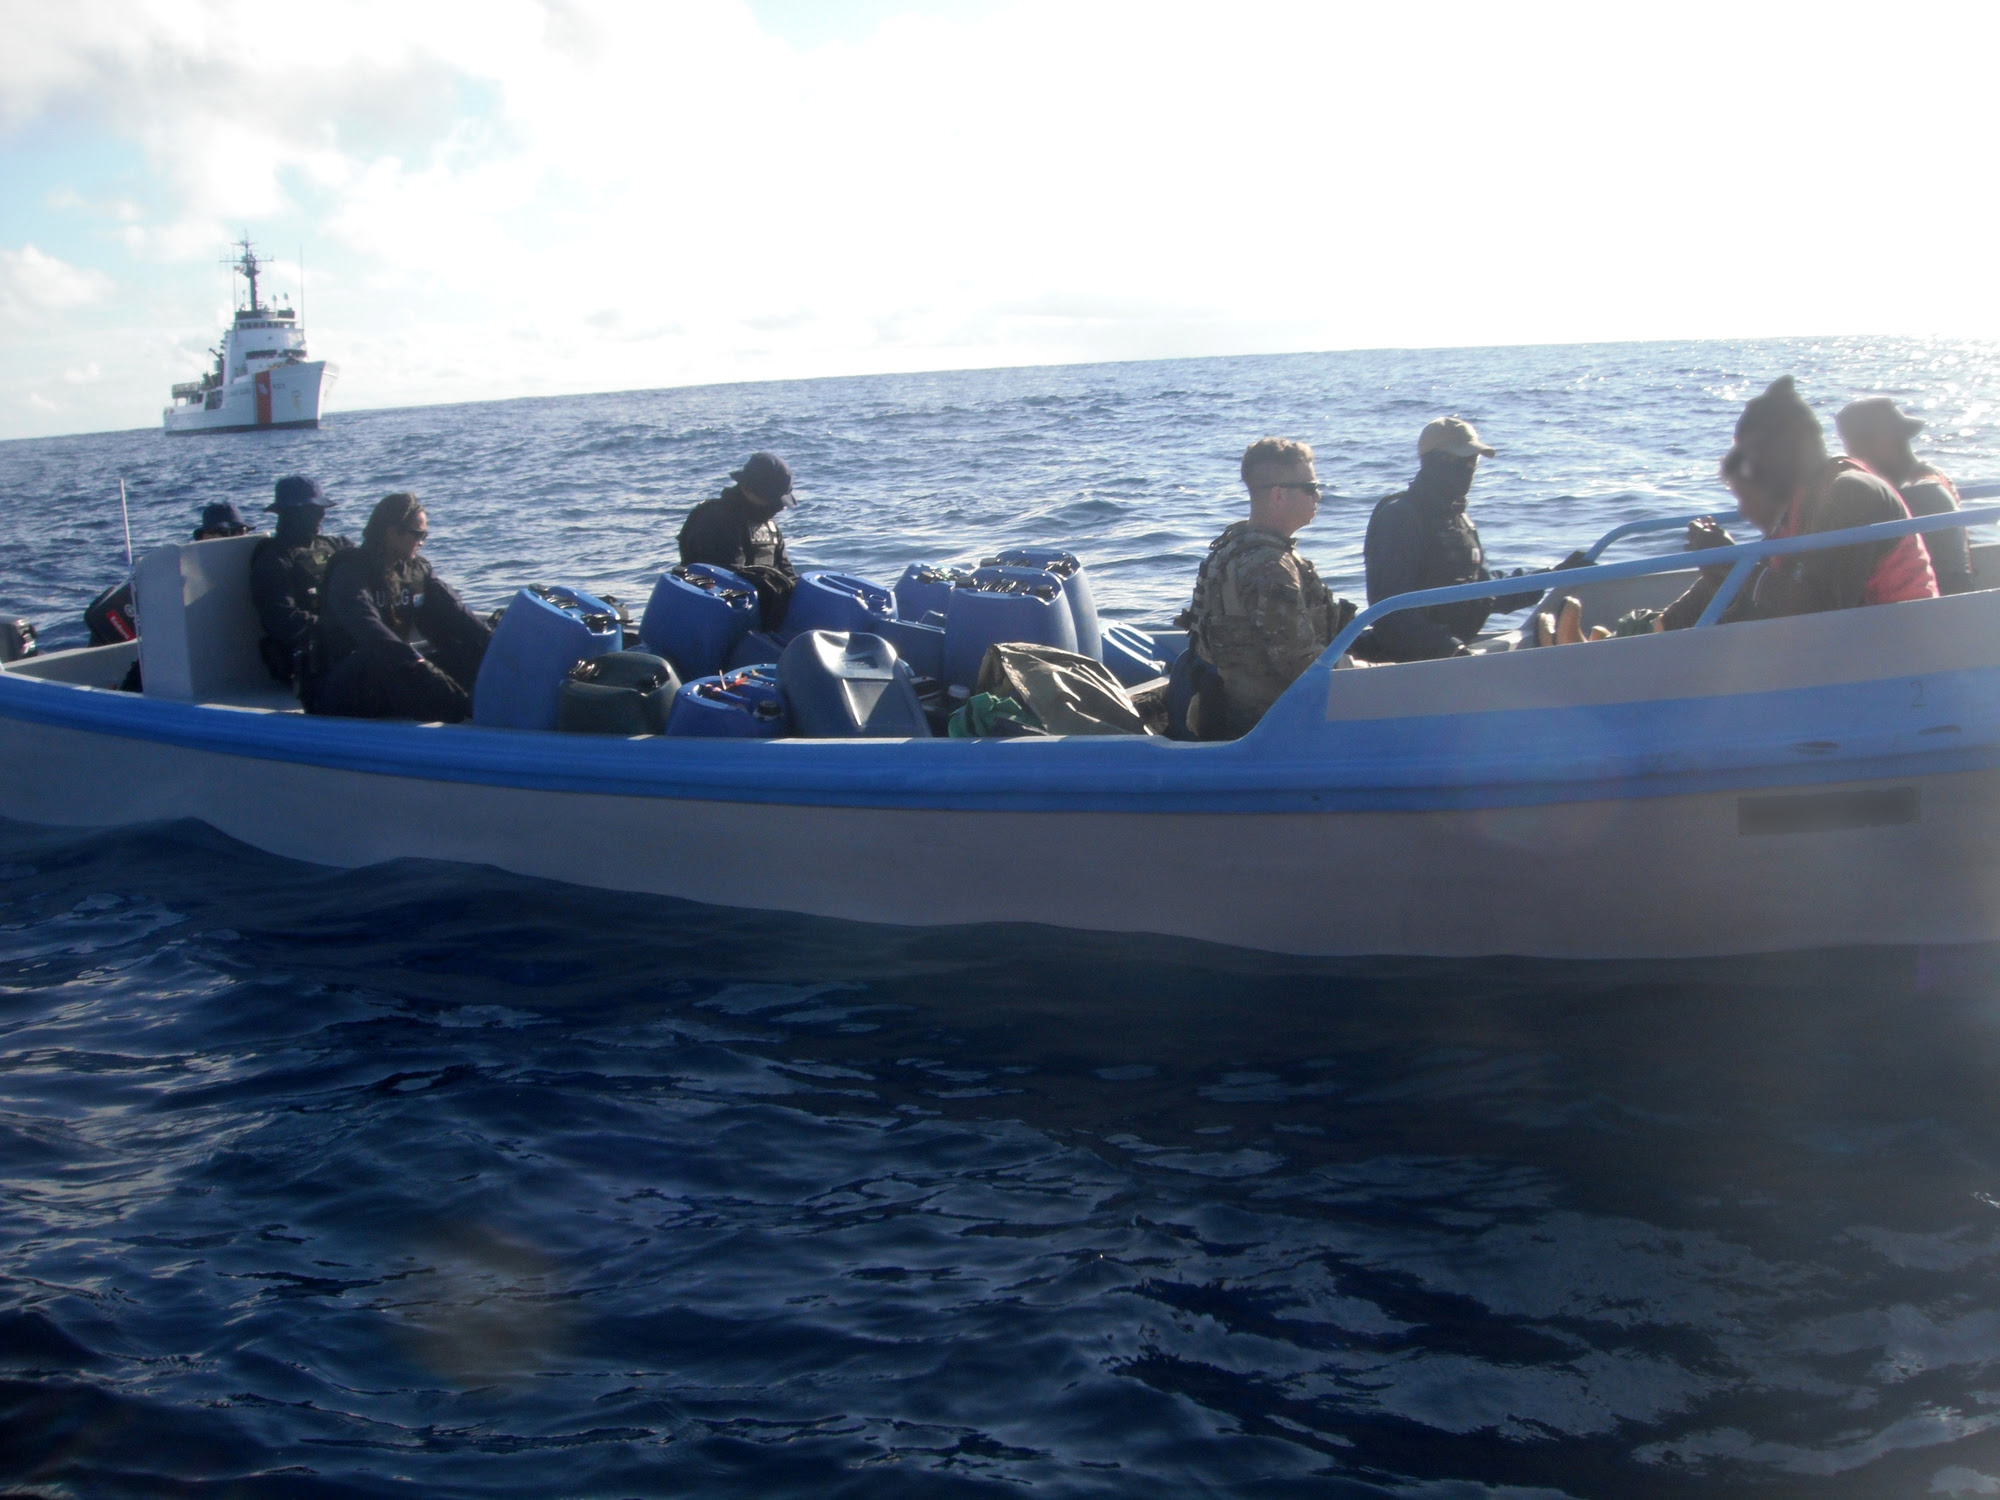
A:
(1985, 489)
(1740, 558)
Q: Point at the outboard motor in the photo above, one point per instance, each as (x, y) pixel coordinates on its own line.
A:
(110, 616)
(17, 640)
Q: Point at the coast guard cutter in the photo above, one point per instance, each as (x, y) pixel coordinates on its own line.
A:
(261, 378)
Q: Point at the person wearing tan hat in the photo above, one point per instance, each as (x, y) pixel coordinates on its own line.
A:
(1422, 538)
(1874, 431)
(1260, 615)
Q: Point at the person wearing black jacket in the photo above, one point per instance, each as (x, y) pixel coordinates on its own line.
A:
(380, 601)
(738, 530)
(287, 572)
(1422, 538)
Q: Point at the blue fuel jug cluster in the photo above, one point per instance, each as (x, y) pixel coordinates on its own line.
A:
(849, 659)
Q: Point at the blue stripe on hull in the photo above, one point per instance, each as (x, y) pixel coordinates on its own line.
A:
(1811, 736)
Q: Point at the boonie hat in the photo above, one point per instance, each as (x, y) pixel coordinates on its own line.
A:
(766, 476)
(295, 490)
(220, 515)
(1452, 435)
(1876, 415)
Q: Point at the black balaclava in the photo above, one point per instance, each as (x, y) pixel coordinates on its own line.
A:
(1442, 482)
(299, 524)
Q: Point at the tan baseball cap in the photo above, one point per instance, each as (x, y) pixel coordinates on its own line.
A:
(1873, 415)
(1453, 435)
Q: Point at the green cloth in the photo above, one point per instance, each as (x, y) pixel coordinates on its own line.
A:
(976, 719)
(1637, 622)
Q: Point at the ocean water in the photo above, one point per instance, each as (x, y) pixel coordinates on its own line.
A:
(428, 1180)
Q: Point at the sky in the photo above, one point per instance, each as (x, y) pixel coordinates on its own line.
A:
(532, 197)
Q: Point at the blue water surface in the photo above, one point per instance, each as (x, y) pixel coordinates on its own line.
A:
(432, 1181)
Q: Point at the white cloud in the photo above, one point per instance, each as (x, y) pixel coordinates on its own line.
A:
(540, 195)
(33, 284)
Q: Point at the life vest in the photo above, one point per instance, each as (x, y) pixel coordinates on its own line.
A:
(1928, 475)
(1905, 569)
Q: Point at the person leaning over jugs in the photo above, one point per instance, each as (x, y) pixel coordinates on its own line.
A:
(738, 530)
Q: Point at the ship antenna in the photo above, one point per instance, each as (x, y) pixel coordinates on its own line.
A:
(302, 288)
(126, 511)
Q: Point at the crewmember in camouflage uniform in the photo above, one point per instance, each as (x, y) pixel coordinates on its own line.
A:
(1260, 614)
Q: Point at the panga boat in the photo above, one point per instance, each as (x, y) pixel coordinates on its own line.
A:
(261, 378)
(1821, 780)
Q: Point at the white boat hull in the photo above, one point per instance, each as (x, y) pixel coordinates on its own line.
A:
(286, 395)
(1804, 782)
(1653, 877)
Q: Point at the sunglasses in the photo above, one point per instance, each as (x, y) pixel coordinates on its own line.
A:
(421, 533)
(1311, 487)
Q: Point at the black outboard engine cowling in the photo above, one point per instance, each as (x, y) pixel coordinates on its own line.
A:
(110, 616)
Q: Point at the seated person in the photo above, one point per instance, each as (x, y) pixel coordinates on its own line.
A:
(218, 519)
(1260, 614)
(1879, 435)
(368, 659)
(1422, 538)
(1786, 485)
(738, 530)
(287, 572)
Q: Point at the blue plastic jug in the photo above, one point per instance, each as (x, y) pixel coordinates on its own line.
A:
(756, 648)
(1131, 655)
(922, 646)
(1076, 585)
(849, 685)
(743, 705)
(698, 612)
(1003, 604)
(925, 588)
(544, 632)
(837, 601)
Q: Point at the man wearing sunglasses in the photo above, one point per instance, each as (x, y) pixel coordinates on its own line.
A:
(1786, 485)
(1260, 614)
(1422, 538)
(393, 641)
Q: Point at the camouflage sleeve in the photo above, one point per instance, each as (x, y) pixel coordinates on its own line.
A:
(1273, 594)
